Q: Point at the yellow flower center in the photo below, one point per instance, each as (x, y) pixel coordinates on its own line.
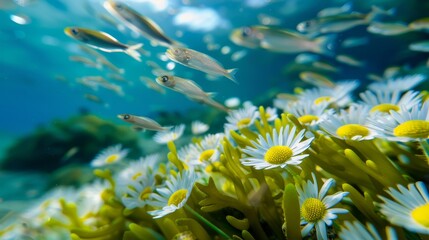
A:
(322, 99)
(137, 175)
(313, 210)
(412, 128)
(307, 119)
(243, 122)
(112, 158)
(145, 193)
(385, 107)
(278, 154)
(350, 130)
(177, 197)
(420, 215)
(206, 155)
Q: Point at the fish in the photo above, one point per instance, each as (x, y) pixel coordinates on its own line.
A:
(422, 46)
(332, 11)
(388, 29)
(190, 89)
(142, 123)
(281, 40)
(316, 79)
(96, 99)
(340, 22)
(346, 59)
(200, 61)
(102, 41)
(181, 85)
(86, 61)
(420, 24)
(138, 23)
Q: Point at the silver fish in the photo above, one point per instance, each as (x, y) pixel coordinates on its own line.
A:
(102, 41)
(200, 61)
(142, 123)
(280, 40)
(138, 23)
(190, 89)
(184, 86)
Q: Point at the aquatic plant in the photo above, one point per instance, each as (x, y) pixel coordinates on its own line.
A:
(260, 180)
(74, 140)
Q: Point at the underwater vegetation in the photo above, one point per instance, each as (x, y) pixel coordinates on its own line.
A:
(324, 167)
(77, 138)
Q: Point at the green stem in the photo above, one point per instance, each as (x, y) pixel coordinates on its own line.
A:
(425, 146)
(201, 218)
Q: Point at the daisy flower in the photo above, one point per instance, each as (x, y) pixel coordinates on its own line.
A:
(385, 100)
(136, 169)
(206, 151)
(271, 114)
(350, 124)
(109, 155)
(137, 193)
(242, 117)
(198, 127)
(171, 135)
(409, 207)
(316, 207)
(340, 94)
(175, 195)
(357, 231)
(279, 150)
(412, 125)
(309, 113)
(401, 84)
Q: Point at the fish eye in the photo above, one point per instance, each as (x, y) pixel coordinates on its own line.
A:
(164, 79)
(246, 32)
(119, 6)
(126, 116)
(74, 31)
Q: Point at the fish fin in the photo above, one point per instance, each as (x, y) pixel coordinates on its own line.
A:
(325, 45)
(231, 74)
(212, 94)
(166, 128)
(132, 51)
(377, 12)
(138, 129)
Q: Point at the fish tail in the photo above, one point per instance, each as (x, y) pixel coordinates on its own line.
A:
(132, 51)
(231, 74)
(325, 45)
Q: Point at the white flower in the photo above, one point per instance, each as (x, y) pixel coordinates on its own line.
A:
(110, 155)
(412, 125)
(271, 114)
(199, 127)
(409, 207)
(136, 182)
(241, 118)
(384, 100)
(279, 150)
(171, 135)
(340, 94)
(316, 207)
(175, 195)
(309, 113)
(351, 124)
(207, 151)
(357, 231)
(401, 84)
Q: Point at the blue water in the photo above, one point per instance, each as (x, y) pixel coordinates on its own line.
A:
(32, 54)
